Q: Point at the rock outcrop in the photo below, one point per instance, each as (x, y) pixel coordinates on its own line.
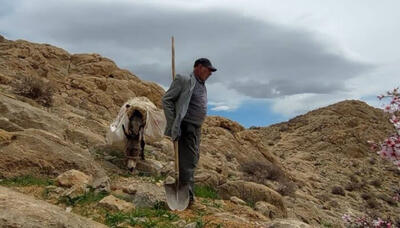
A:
(19, 210)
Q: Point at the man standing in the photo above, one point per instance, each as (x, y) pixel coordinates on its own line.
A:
(185, 108)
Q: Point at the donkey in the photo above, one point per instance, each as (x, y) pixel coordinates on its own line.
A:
(135, 142)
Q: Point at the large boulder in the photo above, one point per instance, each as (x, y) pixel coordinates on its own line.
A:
(19, 210)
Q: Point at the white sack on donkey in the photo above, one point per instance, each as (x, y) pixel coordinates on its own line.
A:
(138, 122)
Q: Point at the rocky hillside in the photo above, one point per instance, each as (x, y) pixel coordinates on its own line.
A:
(56, 108)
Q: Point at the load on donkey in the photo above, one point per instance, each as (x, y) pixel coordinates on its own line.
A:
(138, 122)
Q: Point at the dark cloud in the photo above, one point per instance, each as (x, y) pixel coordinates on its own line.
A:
(257, 58)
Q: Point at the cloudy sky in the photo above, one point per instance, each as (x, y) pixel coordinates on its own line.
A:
(275, 59)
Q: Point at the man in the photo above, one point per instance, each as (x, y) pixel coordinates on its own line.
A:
(185, 108)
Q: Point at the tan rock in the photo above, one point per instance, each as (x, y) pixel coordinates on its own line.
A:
(5, 136)
(227, 216)
(19, 210)
(113, 203)
(148, 195)
(130, 189)
(73, 178)
(191, 225)
(179, 223)
(150, 166)
(237, 200)
(75, 191)
(269, 210)
(208, 178)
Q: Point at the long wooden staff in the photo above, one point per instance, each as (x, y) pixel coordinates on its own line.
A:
(175, 142)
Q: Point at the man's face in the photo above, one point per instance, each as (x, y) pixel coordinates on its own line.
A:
(203, 72)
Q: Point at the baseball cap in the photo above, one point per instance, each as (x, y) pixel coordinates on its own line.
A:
(205, 62)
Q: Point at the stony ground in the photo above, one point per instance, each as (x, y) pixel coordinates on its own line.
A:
(55, 109)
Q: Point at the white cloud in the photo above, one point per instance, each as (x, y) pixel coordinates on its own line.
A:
(221, 108)
(222, 98)
(294, 105)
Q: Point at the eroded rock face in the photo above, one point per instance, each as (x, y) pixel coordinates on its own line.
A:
(19, 210)
(40, 153)
(85, 81)
(269, 210)
(252, 192)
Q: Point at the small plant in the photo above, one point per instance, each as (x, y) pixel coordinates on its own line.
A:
(27, 180)
(113, 220)
(37, 89)
(286, 188)
(326, 224)
(372, 203)
(200, 223)
(251, 204)
(377, 183)
(205, 192)
(259, 172)
(337, 190)
(354, 186)
(87, 198)
(144, 217)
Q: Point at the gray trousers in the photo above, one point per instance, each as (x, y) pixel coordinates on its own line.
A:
(189, 144)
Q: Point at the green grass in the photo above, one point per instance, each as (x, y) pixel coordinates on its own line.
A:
(326, 224)
(87, 198)
(206, 192)
(27, 180)
(251, 204)
(158, 216)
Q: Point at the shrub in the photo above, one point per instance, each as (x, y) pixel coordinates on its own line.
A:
(286, 188)
(36, 89)
(337, 190)
(260, 171)
(376, 183)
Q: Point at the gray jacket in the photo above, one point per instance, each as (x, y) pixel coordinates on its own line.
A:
(176, 102)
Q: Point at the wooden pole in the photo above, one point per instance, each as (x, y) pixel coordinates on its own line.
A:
(173, 57)
(175, 142)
